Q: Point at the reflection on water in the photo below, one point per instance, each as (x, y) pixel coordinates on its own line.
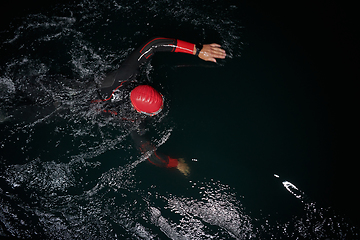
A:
(315, 223)
(67, 172)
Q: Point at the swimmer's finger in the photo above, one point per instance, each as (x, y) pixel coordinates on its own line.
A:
(218, 53)
(215, 45)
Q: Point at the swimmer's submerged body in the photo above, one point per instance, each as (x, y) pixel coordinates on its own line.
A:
(144, 99)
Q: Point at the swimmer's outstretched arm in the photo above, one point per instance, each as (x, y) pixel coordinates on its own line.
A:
(130, 67)
(206, 52)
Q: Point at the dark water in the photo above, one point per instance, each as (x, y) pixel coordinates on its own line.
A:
(254, 129)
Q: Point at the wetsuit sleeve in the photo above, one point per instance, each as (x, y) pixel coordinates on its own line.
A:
(138, 57)
(156, 158)
(162, 160)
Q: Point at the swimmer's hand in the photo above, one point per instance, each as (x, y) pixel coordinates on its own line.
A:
(183, 167)
(210, 52)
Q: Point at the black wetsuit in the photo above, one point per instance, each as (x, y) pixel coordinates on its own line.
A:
(118, 99)
(155, 157)
(131, 66)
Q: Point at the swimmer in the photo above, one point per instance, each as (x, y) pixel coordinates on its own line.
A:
(120, 92)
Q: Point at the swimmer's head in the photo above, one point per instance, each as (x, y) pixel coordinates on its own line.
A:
(145, 99)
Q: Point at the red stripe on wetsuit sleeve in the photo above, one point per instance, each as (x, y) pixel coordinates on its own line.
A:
(172, 162)
(184, 47)
(163, 161)
(146, 46)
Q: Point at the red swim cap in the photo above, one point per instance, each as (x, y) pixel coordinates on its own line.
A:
(147, 100)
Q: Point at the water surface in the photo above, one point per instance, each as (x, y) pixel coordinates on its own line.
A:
(254, 129)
